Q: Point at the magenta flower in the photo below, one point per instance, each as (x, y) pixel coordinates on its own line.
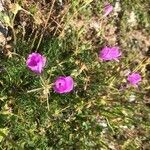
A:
(134, 78)
(108, 9)
(110, 53)
(36, 62)
(63, 84)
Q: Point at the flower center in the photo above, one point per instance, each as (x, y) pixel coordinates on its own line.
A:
(60, 84)
(34, 63)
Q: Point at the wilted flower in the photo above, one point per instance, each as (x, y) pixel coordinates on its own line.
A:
(110, 53)
(132, 19)
(132, 98)
(108, 9)
(36, 62)
(63, 84)
(134, 78)
(117, 7)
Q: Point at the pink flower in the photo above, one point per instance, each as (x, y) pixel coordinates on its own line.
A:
(134, 78)
(110, 53)
(108, 9)
(63, 84)
(36, 62)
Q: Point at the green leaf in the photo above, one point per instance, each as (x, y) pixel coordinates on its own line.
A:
(14, 8)
(4, 18)
(3, 133)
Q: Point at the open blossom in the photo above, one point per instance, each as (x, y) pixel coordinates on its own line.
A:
(36, 62)
(134, 78)
(63, 84)
(110, 53)
(108, 9)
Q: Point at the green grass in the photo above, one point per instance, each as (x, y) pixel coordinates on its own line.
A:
(99, 113)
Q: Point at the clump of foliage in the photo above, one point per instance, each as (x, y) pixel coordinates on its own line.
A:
(103, 111)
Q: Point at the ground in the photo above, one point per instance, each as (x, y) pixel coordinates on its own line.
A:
(103, 111)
